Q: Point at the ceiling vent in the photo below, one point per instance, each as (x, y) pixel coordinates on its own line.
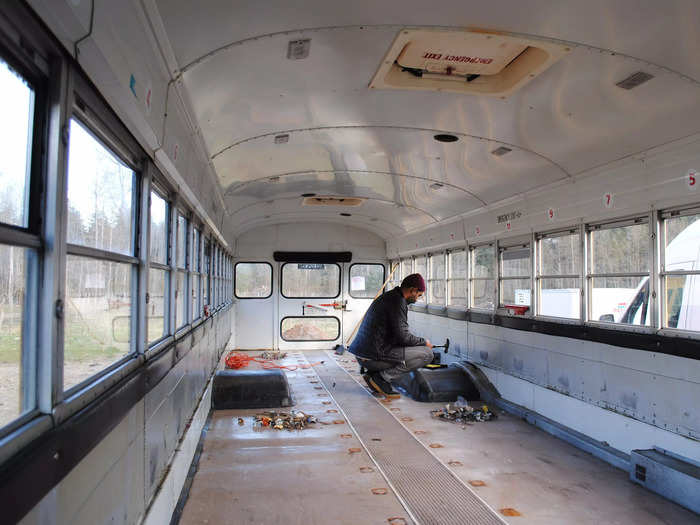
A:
(634, 80)
(332, 201)
(460, 61)
(298, 49)
(282, 139)
(500, 151)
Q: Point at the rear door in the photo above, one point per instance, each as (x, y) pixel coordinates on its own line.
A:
(362, 284)
(309, 314)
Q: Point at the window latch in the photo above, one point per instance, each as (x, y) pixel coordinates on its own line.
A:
(59, 309)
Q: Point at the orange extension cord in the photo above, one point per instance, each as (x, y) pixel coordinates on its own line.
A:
(238, 360)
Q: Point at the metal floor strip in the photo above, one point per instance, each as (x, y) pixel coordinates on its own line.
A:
(432, 493)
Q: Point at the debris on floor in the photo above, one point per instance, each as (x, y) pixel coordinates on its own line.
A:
(295, 420)
(273, 355)
(461, 412)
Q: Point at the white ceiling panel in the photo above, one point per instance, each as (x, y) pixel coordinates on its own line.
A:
(346, 139)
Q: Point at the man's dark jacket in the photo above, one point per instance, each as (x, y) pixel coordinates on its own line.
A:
(384, 331)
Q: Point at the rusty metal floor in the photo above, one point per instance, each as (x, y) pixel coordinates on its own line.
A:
(374, 462)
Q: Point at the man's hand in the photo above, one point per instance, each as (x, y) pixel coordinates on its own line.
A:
(429, 344)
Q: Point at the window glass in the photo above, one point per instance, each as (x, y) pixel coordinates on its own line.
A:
(195, 297)
(196, 256)
(17, 110)
(515, 276)
(483, 262)
(515, 262)
(207, 271)
(159, 229)
(310, 328)
(620, 250)
(12, 284)
(560, 297)
(681, 255)
(97, 316)
(560, 255)
(619, 298)
(253, 280)
(420, 265)
(181, 240)
(366, 280)
(483, 293)
(483, 284)
(180, 300)
(437, 279)
(457, 278)
(100, 189)
(310, 280)
(157, 288)
(406, 269)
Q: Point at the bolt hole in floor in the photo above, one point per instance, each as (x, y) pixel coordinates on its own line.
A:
(491, 472)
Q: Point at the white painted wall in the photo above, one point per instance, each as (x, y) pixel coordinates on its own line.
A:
(257, 320)
(629, 398)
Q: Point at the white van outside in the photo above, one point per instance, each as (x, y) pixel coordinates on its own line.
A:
(682, 291)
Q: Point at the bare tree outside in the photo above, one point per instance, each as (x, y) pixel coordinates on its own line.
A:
(98, 292)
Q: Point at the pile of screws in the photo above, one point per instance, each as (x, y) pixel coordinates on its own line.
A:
(295, 420)
(273, 355)
(463, 414)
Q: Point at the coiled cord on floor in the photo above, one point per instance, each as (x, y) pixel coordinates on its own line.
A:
(236, 360)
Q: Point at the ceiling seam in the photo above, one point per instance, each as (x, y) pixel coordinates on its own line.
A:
(258, 203)
(401, 128)
(572, 43)
(230, 191)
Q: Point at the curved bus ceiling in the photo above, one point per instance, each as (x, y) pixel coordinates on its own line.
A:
(349, 140)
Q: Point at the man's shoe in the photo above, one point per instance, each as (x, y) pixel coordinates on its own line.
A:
(380, 385)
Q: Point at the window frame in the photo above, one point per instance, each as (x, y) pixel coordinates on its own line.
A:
(33, 394)
(340, 282)
(87, 110)
(451, 279)
(363, 264)
(309, 317)
(272, 279)
(579, 277)
(504, 247)
(166, 267)
(652, 313)
(470, 272)
(423, 301)
(429, 279)
(663, 274)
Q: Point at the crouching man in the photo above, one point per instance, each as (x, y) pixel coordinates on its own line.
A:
(384, 345)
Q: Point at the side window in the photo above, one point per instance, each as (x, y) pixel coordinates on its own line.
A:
(558, 274)
(618, 271)
(181, 295)
(366, 280)
(300, 280)
(310, 328)
(253, 280)
(457, 278)
(19, 256)
(515, 264)
(482, 281)
(680, 258)
(436, 279)
(100, 266)
(159, 270)
(420, 265)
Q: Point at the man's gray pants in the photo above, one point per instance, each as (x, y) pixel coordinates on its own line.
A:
(414, 357)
